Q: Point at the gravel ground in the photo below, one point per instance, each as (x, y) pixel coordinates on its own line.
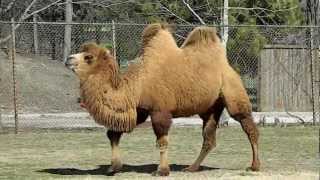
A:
(83, 120)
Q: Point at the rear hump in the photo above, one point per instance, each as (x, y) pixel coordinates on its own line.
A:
(201, 35)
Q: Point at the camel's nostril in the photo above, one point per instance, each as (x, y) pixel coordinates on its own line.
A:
(68, 60)
(69, 57)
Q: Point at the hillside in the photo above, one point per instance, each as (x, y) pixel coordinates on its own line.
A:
(43, 86)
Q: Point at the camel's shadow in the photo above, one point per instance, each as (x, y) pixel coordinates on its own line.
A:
(102, 169)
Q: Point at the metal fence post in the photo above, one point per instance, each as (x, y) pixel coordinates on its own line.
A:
(13, 59)
(312, 71)
(35, 35)
(68, 29)
(317, 71)
(1, 125)
(114, 45)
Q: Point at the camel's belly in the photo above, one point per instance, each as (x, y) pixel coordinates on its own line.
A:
(194, 104)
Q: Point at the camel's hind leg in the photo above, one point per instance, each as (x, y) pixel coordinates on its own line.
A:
(239, 107)
(210, 123)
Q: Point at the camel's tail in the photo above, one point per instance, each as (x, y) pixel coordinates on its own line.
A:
(202, 34)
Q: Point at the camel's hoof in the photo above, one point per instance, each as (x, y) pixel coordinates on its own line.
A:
(114, 168)
(191, 168)
(162, 172)
(253, 168)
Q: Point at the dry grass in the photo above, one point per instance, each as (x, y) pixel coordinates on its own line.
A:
(286, 153)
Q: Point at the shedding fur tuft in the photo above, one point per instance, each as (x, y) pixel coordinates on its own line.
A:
(201, 35)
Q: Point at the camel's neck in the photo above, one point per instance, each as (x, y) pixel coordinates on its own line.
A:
(110, 101)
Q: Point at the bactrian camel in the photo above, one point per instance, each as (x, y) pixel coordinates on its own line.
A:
(168, 82)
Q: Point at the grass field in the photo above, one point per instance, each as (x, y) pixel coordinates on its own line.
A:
(286, 153)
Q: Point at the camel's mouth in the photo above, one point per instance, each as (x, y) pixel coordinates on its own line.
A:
(72, 68)
(71, 62)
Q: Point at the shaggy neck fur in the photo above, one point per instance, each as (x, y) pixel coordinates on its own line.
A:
(108, 100)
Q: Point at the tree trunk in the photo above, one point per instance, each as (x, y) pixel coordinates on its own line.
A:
(13, 59)
(312, 12)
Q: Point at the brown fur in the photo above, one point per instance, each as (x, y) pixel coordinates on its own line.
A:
(161, 122)
(169, 82)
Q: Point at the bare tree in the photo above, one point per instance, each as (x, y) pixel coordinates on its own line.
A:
(8, 7)
(27, 14)
(193, 12)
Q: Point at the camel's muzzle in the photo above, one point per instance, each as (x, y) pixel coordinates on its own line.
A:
(69, 63)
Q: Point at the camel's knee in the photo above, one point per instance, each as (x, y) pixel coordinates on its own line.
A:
(162, 143)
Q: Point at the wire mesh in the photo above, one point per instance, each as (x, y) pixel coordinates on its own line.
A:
(275, 63)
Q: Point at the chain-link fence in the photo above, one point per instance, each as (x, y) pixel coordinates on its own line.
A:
(279, 66)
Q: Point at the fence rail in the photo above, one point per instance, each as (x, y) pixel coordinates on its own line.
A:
(279, 65)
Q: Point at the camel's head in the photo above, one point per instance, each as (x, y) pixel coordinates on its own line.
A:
(90, 58)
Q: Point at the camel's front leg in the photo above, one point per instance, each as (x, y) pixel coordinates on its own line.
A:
(161, 122)
(114, 138)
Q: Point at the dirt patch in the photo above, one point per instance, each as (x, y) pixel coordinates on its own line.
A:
(43, 85)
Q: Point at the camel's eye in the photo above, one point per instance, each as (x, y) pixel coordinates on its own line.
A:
(88, 59)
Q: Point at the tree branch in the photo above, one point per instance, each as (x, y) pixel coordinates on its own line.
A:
(263, 9)
(26, 15)
(193, 12)
(290, 114)
(26, 10)
(42, 9)
(10, 5)
(166, 9)
(99, 4)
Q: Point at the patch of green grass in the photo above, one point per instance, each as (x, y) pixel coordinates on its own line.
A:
(86, 154)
